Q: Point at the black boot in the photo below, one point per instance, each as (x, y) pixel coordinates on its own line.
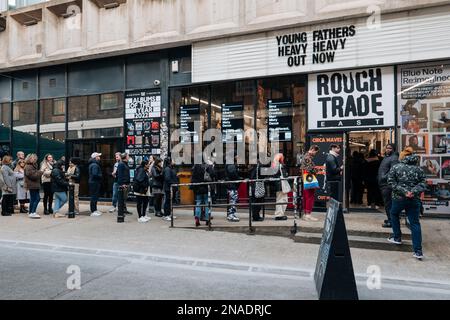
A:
(23, 210)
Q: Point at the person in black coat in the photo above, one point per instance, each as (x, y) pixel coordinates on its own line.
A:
(95, 181)
(123, 178)
(200, 192)
(356, 176)
(59, 187)
(141, 188)
(334, 171)
(170, 178)
(370, 174)
(157, 186)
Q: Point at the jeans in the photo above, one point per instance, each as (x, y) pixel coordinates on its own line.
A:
(35, 197)
(199, 200)
(386, 192)
(76, 197)
(60, 201)
(115, 196)
(234, 199)
(412, 208)
(94, 191)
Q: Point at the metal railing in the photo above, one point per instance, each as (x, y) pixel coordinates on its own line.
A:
(296, 189)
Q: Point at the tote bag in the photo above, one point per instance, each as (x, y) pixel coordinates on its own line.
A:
(310, 181)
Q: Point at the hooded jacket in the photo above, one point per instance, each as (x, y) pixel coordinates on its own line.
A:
(406, 177)
(386, 165)
(95, 172)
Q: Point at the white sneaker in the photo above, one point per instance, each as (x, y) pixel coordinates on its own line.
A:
(147, 218)
(34, 216)
(96, 214)
(168, 218)
(112, 210)
(308, 217)
(142, 220)
(233, 218)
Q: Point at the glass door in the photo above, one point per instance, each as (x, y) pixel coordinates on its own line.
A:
(83, 150)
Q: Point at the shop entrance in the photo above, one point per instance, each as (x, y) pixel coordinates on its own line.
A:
(83, 149)
(364, 152)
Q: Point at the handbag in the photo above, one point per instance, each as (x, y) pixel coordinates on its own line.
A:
(260, 190)
(285, 186)
(310, 181)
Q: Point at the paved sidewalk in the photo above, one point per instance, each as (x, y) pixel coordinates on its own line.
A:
(157, 238)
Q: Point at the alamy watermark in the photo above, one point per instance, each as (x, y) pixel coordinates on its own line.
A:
(74, 280)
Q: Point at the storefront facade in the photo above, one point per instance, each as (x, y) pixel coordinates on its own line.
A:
(354, 77)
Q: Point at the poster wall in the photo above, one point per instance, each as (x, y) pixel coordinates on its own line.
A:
(424, 117)
(353, 99)
(143, 119)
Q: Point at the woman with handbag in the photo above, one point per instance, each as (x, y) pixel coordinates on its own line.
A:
(23, 195)
(308, 169)
(282, 186)
(258, 192)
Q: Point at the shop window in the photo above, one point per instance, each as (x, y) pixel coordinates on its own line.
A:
(24, 126)
(16, 113)
(52, 127)
(59, 107)
(93, 112)
(5, 121)
(109, 101)
(186, 65)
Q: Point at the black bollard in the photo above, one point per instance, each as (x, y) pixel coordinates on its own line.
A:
(71, 214)
(121, 205)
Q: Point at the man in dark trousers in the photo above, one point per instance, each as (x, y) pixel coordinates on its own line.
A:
(390, 160)
(123, 178)
(232, 174)
(334, 171)
(95, 181)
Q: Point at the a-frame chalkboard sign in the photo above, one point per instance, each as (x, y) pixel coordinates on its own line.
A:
(334, 275)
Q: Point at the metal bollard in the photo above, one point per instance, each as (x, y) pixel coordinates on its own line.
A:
(71, 213)
(209, 207)
(121, 205)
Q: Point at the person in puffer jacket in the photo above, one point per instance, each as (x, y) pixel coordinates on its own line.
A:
(408, 182)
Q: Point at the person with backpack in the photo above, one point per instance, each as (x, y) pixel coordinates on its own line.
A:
(170, 178)
(408, 182)
(8, 183)
(46, 168)
(124, 179)
(95, 182)
(60, 187)
(33, 183)
(232, 174)
(200, 192)
(141, 189)
(257, 192)
(157, 186)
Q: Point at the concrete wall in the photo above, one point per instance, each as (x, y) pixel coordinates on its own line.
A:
(144, 25)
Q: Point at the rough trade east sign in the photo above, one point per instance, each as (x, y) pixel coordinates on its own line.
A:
(362, 99)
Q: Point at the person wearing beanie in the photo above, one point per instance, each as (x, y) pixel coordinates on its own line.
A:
(408, 182)
(390, 160)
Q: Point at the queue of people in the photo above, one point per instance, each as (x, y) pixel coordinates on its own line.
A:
(398, 182)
